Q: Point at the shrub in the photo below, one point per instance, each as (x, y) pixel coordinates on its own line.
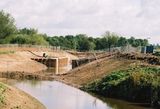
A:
(140, 84)
(35, 39)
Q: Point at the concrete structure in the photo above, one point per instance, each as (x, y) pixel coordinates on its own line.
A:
(61, 65)
(79, 62)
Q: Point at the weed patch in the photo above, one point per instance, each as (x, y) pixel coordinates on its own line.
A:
(137, 84)
(2, 91)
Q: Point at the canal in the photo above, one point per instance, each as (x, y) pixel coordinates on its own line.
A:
(56, 95)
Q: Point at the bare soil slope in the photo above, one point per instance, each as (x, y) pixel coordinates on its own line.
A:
(19, 61)
(94, 70)
(16, 99)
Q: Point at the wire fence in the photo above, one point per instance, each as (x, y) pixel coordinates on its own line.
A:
(29, 46)
(124, 49)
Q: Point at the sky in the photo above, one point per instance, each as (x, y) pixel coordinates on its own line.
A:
(138, 18)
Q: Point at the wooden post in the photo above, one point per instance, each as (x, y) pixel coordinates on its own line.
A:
(56, 66)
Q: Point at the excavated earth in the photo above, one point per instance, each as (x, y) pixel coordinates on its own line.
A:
(20, 62)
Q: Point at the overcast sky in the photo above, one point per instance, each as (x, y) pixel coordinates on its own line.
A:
(139, 18)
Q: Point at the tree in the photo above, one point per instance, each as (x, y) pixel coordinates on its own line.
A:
(137, 42)
(145, 42)
(19, 39)
(37, 39)
(100, 43)
(54, 41)
(7, 25)
(111, 39)
(71, 42)
(27, 31)
(122, 41)
(85, 45)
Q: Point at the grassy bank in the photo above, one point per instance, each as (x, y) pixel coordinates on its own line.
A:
(136, 84)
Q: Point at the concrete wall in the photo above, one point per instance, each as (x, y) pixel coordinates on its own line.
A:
(64, 65)
(61, 65)
(63, 61)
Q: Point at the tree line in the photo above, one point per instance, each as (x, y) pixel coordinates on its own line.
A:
(10, 34)
(83, 42)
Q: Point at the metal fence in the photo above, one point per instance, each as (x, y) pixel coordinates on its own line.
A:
(125, 49)
(29, 46)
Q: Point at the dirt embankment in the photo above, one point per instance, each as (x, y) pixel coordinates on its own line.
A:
(94, 70)
(150, 59)
(98, 68)
(19, 59)
(13, 98)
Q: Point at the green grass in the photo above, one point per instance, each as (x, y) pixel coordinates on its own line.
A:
(2, 91)
(140, 84)
(7, 52)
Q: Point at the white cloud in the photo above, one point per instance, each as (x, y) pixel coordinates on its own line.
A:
(139, 18)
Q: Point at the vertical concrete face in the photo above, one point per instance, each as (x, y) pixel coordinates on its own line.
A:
(61, 65)
(63, 62)
(56, 66)
(64, 65)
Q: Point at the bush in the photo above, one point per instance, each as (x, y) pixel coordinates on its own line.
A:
(140, 84)
(35, 39)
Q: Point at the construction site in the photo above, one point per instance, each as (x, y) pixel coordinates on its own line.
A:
(70, 67)
(36, 59)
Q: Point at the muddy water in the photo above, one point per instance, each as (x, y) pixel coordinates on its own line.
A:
(56, 95)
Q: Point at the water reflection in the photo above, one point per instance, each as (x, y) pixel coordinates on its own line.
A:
(61, 70)
(55, 95)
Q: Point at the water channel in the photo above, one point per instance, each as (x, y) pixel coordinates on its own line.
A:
(56, 95)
